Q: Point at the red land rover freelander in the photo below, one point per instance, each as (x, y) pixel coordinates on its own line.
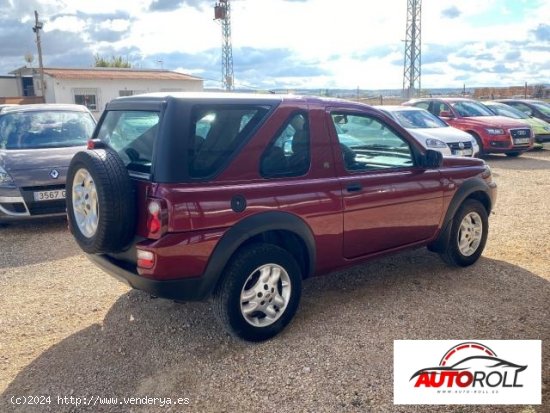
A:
(239, 198)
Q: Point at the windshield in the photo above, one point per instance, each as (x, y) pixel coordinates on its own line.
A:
(543, 107)
(418, 119)
(469, 109)
(131, 134)
(45, 129)
(508, 111)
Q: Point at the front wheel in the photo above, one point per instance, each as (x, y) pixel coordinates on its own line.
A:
(259, 293)
(479, 144)
(469, 231)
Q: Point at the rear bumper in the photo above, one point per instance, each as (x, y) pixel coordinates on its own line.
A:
(188, 289)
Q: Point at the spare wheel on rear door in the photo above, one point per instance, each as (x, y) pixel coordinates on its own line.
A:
(100, 201)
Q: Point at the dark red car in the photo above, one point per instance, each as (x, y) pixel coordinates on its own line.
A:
(240, 197)
(494, 134)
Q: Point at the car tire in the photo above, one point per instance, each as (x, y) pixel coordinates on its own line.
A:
(479, 143)
(253, 308)
(468, 237)
(513, 154)
(100, 201)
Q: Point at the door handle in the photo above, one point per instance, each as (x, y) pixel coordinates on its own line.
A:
(354, 187)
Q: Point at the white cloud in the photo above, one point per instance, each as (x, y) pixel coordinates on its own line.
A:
(116, 25)
(66, 23)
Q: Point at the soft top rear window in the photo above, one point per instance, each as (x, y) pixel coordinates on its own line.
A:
(131, 134)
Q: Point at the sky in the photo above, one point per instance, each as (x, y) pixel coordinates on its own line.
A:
(291, 44)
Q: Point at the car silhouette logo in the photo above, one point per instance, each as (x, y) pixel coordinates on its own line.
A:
(54, 173)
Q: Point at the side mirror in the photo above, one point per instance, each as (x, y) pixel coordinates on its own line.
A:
(341, 119)
(445, 114)
(433, 159)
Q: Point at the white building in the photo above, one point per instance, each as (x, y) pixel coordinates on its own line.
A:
(8, 86)
(95, 87)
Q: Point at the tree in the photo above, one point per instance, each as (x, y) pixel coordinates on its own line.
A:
(114, 61)
(539, 91)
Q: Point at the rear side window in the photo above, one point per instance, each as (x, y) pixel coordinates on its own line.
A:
(289, 152)
(216, 135)
(132, 135)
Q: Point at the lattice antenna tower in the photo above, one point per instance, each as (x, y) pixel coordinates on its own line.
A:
(413, 50)
(222, 13)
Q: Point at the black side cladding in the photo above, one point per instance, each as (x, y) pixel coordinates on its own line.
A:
(116, 201)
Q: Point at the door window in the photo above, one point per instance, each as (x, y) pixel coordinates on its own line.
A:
(524, 108)
(439, 107)
(369, 144)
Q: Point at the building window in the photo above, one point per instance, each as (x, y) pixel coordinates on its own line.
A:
(86, 97)
(130, 92)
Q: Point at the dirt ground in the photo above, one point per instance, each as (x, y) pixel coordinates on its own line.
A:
(67, 329)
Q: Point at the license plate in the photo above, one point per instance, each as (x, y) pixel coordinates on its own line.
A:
(521, 141)
(49, 195)
(463, 152)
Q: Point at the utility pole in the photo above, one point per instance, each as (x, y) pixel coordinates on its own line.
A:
(222, 12)
(38, 25)
(413, 56)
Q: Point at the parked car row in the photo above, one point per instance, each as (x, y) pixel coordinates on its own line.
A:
(540, 127)
(493, 133)
(38, 141)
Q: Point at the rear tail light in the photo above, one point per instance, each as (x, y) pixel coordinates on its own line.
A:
(96, 144)
(157, 218)
(145, 259)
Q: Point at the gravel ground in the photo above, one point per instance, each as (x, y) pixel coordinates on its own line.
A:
(68, 329)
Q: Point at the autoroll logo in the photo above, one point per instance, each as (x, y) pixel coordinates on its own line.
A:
(470, 365)
(468, 372)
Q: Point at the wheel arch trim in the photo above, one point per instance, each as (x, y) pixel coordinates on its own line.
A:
(250, 227)
(464, 192)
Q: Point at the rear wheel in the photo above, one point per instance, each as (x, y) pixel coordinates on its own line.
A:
(468, 234)
(259, 293)
(513, 154)
(100, 201)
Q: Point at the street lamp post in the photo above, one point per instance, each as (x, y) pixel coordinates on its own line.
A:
(38, 25)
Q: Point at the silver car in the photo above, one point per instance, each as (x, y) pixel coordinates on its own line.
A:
(432, 132)
(37, 142)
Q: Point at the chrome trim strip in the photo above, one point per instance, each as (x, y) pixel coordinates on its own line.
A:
(14, 200)
(140, 175)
